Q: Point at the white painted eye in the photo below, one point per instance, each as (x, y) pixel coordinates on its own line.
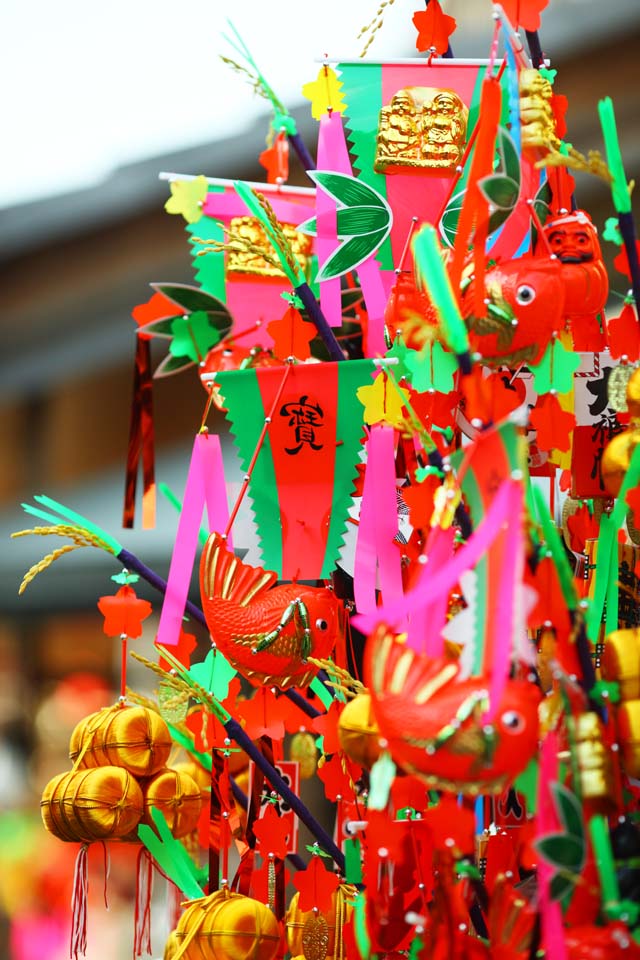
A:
(525, 294)
(322, 625)
(512, 721)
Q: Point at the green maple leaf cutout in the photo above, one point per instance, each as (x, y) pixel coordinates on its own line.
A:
(125, 577)
(364, 221)
(193, 336)
(611, 231)
(399, 351)
(555, 370)
(432, 369)
(214, 673)
(187, 198)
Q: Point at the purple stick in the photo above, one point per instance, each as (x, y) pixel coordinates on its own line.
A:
(320, 321)
(304, 156)
(131, 562)
(628, 231)
(237, 734)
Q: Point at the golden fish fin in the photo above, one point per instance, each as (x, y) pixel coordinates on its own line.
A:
(395, 668)
(223, 575)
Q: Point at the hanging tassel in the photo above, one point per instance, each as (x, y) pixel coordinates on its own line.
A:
(174, 904)
(144, 889)
(141, 441)
(78, 946)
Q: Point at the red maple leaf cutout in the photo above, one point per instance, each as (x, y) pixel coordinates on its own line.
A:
(263, 715)
(553, 424)
(582, 526)
(327, 726)
(272, 832)
(275, 160)
(621, 262)
(623, 334)
(524, 13)
(447, 821)
(434, 28)
(408, 792)
(124, 613)
(187, 643)
(384, 837)
(565, 480)
(633, 499)
(208, 733)
(260, 882)
(156, 308)
(550, 605)
(291, 335)
(337, 781)
(420, 499)
(316, 886)
(490, 399)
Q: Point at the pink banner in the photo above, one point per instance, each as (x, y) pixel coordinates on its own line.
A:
(205, 485)
(375, 549)
(546, 823)
(288, 208)
(331, 147)
(426, 623)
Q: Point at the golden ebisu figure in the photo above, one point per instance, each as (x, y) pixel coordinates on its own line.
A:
(537, 119)
(422, 128)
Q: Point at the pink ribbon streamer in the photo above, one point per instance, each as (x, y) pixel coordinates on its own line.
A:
(378, 526)
(425, 626)
(430, 586)
(327, 239)
(228, 204)
(369, 272)
(205, 485)
(547, 822)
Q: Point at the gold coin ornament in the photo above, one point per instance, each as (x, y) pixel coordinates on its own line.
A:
(358, 731)
(100, 803)
(135, 738)
(318, 936)
(225, 926)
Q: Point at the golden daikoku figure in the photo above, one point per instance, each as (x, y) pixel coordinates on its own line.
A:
(422, 128)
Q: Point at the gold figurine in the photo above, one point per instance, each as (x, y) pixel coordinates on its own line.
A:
(243, 262)
(536, 113)
(423, 128)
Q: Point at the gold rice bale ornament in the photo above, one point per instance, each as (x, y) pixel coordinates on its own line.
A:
(135, 738)
(103, 803)
(197, 772)
(304, 751)
(318, 936)
(628, 723)
(225, 926)
(358, 731)
(179, 798)
(621, 662)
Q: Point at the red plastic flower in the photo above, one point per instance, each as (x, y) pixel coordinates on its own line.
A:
(123, 613)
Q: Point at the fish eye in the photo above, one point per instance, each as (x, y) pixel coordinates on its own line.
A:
(322, 625)
(512, 721)
(525, 294)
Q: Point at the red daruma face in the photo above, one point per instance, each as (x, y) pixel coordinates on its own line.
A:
(573, 239)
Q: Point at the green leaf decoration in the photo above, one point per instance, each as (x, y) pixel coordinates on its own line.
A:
(561, 888)
(562, 850)
(448, 225)
(500, 190)
(542, 202)
(364, 222)
(171, 855)
(204, 759)
(214, 673)
(171, 365)
(611, 231)
(192, 299)
(193, 336)
(508, 153)
(569, 810)
(555, 370)
(159, 328)
(347, 190)
(382, 776)
(433, 368)
(349, 255)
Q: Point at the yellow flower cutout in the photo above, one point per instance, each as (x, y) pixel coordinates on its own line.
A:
(187, 198)
(325, 93)
(382, 402)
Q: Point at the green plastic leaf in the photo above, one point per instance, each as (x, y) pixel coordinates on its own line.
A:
(555, 370)
(347, 190)
(322, 692)
(171, 855)
(433, 274)
(158, 328)
(619, 187)
(193, 336)
(399, 351)
(569, 810)
(350, 254)
(192, 299)
(561, 887)
(171, 365)
(448, 225)
(363, 941)
(204, 759)
(433, 368)
(214, 673)
(500, 190)
(352, 221)
(542, 202)
(509, 159)
(562, 850)
(382, 776)
(76, 518)
(415, 950)
(352, 861)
